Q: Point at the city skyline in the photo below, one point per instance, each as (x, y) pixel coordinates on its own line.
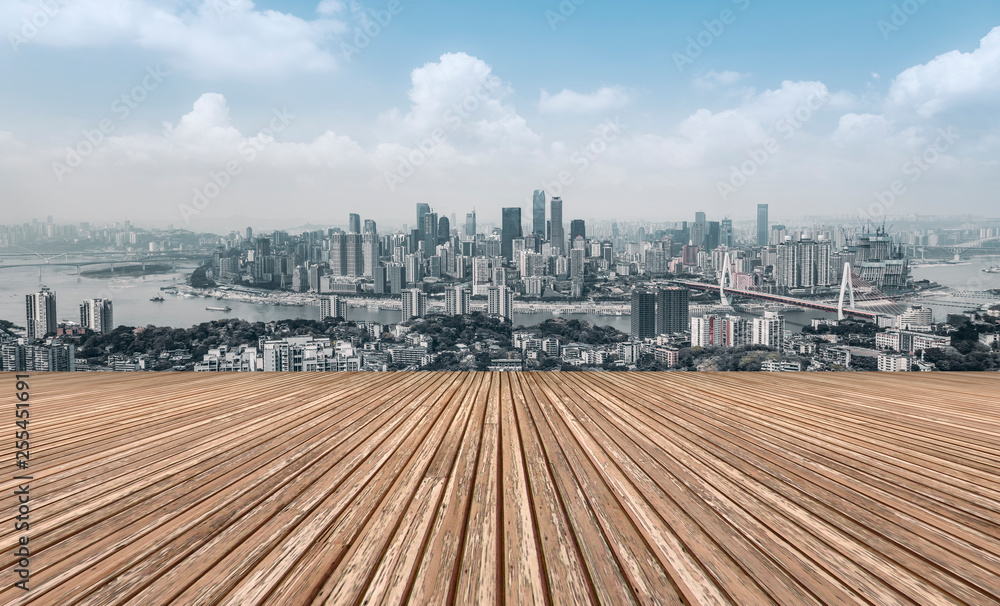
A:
(901, 124)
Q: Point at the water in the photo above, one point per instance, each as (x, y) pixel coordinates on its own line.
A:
(132, 306)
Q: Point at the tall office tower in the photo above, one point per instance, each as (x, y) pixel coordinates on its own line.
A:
(713, 237)
(470, 224)
(556, 234)
(354, 225)
(501, 302)
(576, 262)
(369, 251)
(614, 230)
(769, 330)
(338, 254)
(726, 233)
(706, 331)
(41, 314)
(762, 230)
(249, 234)
(430, 233)
(671, 310)
(370, 227)
(355, 255)
(511, 229)
(607, 252)
(97, 315)
(643, 314)
(538, 213)
(422, 210)
(434, 266)
(443, 230)
(381, 286)
(697, 235)
(395, 275)
(458, 301)
(332, 307)
(577, 229)
(414, 303)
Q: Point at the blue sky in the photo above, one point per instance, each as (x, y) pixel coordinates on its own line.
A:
(697, 89)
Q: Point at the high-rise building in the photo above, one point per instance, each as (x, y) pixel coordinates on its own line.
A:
(726, 233)
(41, 314)
(671, 310)
(395, 276)
(430, 233)
(354, 226)
(369, 251)
(556, 235)
(470, 224)
(762, 230)
(443, 230)
(355, 255)
(370, 227)
(511, 229)
(338, 254)
(422, 210)
(577, 229)
(501, 302)
(458, 301)
(97, 315)
(538, 213)
(706, 331)
(414, 304)
(643, 314)
(414, 269)
(381, 286)
(736, 331)
(769, 330)
(332, 307)
(577, 262)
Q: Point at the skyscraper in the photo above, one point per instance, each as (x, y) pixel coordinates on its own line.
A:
(370, 252)
(556, 234)
(706, 331)
(430, 233)
(355, 255)
(422, 210)
(96, 314)
(511, 228)
(577, 229)
(443, 230)
(671, 310)
(470, 224)
(370, 227)
(762, 231)
(726, 233)
(643, 314)
(338, 254)
(355, 224)
(41, 314)
(538, 213)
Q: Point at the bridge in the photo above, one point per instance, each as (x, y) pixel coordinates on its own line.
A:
(850, 283)
(125, 260)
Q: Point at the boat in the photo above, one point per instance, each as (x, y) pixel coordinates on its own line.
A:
(226, 308)
(992, 270)
(157, 298)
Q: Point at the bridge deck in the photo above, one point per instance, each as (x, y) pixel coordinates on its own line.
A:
(561, 488)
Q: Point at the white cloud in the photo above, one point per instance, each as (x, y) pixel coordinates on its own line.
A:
(714, 79)
(949, 79)
(208, 39)
(567, 101)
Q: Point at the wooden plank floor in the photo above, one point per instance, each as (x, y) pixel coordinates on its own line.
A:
(509, 488)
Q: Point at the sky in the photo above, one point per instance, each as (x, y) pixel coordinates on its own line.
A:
(199, 113)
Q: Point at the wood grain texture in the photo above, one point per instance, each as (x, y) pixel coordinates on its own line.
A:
(508, 488)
